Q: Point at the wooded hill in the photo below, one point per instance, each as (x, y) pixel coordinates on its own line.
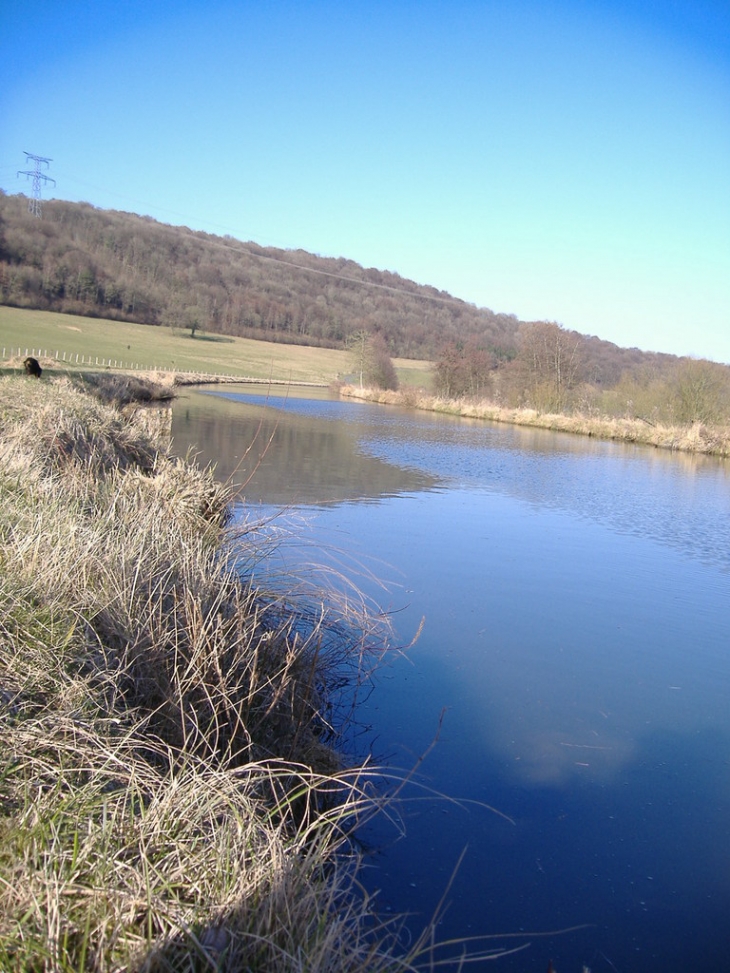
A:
(82, 260)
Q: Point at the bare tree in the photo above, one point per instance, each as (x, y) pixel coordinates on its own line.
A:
(463, 369)
(701, 391)
(380, 368)
(372, 363)
(549, 359)
(357, 344)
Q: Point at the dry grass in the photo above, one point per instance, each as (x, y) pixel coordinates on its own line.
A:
(170, 799)
(695, 438)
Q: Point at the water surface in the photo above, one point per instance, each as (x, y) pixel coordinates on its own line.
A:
(575, 655)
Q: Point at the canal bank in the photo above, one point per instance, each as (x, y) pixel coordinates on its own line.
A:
(171, 799)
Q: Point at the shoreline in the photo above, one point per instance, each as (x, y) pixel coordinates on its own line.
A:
(171, 792)
(698, 438)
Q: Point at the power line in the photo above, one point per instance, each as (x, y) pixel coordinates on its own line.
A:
(38, 177)
(240, 247)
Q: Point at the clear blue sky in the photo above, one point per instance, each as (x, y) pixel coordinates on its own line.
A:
(566, 160)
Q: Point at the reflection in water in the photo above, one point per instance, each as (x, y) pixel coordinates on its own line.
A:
(276, 454)
(325, 450)
(577, 632)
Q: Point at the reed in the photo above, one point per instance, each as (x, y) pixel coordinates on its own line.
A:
(171, 798)
(694, 438)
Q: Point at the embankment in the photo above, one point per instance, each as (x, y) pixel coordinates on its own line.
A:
(695, 438)
(169, 795)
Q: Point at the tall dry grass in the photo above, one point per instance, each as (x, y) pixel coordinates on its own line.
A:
(696, 437)
(170, 798)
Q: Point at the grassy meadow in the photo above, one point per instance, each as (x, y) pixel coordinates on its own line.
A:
(157, 348)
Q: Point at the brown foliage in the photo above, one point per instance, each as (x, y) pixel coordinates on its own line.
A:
(549, 361)
(463, 370)
(104, 263)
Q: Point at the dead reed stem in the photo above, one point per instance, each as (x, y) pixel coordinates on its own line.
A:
(695, 438)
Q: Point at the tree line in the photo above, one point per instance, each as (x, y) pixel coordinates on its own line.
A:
(554, 370)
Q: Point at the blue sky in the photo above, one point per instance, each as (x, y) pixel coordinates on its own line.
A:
(565, 160)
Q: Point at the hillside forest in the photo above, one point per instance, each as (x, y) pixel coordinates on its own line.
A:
(82, 260)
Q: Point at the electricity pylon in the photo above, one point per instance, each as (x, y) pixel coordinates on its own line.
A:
(38, 177)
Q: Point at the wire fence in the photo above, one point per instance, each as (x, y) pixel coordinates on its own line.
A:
(72, 358)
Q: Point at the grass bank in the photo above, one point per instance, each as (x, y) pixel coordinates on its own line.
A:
(170, 799)
(696, 438)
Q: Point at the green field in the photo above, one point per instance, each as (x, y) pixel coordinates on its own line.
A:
(148, 347)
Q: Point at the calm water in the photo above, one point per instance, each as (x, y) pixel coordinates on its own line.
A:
(576, 598)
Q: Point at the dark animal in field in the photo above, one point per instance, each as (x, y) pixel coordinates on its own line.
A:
(32, 367)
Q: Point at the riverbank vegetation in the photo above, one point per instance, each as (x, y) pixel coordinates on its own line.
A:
(170, 796)
(695, 437)
(554, 371)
